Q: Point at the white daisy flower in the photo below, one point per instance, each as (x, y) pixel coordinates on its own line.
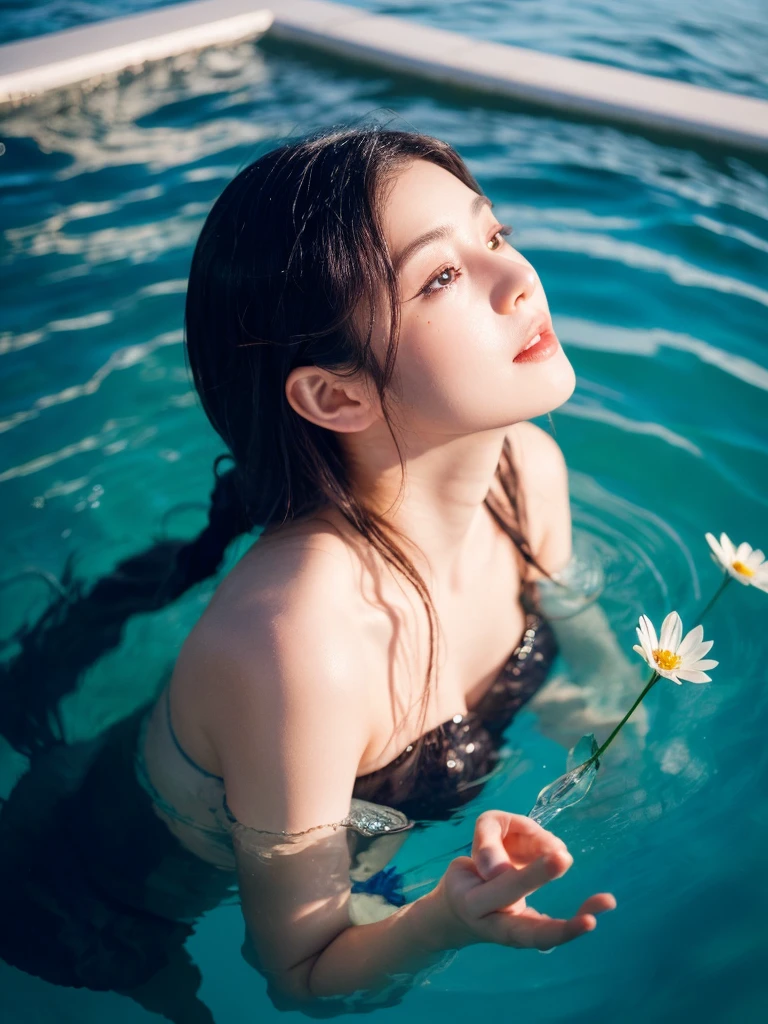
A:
(746, 565)
(669, 656)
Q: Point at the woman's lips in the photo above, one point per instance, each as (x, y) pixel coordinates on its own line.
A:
(545, 347)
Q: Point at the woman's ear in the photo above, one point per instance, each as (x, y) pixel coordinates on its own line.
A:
(337, 403)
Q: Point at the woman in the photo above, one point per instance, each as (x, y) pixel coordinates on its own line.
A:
(370, 349)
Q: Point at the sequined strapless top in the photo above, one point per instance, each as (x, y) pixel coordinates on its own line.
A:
(449, 765)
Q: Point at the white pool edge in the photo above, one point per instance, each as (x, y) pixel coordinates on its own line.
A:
(557, 83)
(79, 55)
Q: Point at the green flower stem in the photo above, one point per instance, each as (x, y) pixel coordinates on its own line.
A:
(654, 678)
(601, 750)
(717, 594)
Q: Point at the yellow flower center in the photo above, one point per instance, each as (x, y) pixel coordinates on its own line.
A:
(666, 660)
(743, 569)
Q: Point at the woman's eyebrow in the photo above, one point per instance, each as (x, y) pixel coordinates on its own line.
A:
(444, 231)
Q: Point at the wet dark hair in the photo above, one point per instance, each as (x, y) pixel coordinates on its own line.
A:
(290, 262)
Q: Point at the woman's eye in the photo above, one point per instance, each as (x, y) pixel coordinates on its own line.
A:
(505, 229)
(440, 278)
(444, 283)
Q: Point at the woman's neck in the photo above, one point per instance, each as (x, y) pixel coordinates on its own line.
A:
(441, 510)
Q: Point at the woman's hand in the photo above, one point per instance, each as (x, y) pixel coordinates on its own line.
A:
(482, 898)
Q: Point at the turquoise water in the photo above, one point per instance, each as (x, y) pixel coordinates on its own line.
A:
(654, 259)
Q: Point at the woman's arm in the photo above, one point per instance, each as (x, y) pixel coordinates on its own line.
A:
(587, 640)
(290, 721)
(299, 932)
(602, 680)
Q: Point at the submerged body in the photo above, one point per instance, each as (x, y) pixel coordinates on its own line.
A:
(144, 831)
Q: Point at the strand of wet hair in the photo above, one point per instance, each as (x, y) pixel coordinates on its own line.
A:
(78, 628)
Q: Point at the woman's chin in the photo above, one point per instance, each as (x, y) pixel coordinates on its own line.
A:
(552, 385)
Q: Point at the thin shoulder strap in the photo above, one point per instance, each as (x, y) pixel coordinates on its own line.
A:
(181, 750)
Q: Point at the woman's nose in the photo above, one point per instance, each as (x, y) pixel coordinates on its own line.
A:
(515, 284)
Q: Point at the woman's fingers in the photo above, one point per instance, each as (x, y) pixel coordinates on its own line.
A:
(546, 932)
(598, 903)
(501, 838)
(513, 857)
(511, 885)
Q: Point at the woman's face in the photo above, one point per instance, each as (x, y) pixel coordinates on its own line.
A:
(469, 304)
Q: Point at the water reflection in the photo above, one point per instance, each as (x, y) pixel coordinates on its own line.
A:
(109, 124)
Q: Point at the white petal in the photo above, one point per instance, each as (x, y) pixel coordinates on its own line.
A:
(695, 677)
(701, 666)
(692, 639)
(728, 548)
(678, 632)
(756, 558)
(717, 551)
(698, 652)
(671, 631)
(648, 654)
(644, 626)
(761, 583)
(743, 551)
(667, 624)
(650, 633)
(642, 653)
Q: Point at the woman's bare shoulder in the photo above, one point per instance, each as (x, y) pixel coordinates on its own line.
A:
(285, 570)
(287, 628)
(539, 454)
(295, 590)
